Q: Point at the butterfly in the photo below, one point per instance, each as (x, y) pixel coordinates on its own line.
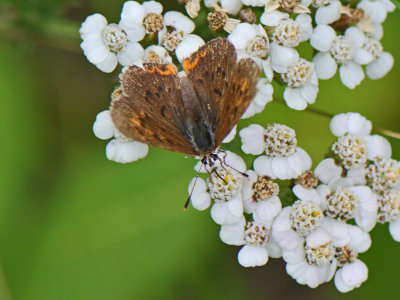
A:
(189, 114)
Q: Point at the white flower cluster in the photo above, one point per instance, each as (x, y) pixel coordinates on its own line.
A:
(348, 36)
(321, 233)
(105, 45)
(333, 208)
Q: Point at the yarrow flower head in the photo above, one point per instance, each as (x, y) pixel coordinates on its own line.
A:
(348, 241)
(381, 62)
(302, 84)
(358, 202)
(223, 186)
(284, 159)
(219, 20)
(260, 198)
(256, 238)
(351, 150)
(383, 173)
(288, 33)
(176, 35)
(142, 19)
(345, 50)
(252, 41)
(105, 44)
(307, 249)
(295, 222)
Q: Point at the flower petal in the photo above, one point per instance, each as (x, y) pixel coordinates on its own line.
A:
(351, 74)
(103, 127)
(322, 38)
(380, 67)
(253, 139)
(131, 53)
(109, 64)
(325, 65)
(125, 152)
(233, 234)
(199, 197)
(328, 14)
(252, 256)
(94, 24)
(273, 18)
(189, 45)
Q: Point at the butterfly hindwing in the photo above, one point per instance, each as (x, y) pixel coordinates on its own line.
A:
(148, 107)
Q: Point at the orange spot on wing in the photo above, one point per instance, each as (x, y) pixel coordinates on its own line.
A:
(169, 70)
(202, 54)
(187, 65)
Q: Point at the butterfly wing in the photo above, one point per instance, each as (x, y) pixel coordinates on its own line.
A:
(209, 71)
(241, 92)
(224, 87)
(142, 109)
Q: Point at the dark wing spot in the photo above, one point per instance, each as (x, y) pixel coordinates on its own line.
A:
(142, 122)
(218, 92)
(219, 69)
(162, 110)
(159, 88)
(140, 130)
(155, 135)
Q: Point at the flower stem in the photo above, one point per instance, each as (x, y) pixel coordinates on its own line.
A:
(380, 130)
(383, 131)
(18, 27)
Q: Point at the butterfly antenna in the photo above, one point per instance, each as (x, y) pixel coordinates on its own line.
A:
(191, 192)
(223, 162)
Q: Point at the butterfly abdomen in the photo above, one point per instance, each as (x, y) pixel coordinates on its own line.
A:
(203, 138)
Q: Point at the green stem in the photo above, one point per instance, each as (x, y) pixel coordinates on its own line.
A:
(383, 131)
(17, 27)
(380, 130)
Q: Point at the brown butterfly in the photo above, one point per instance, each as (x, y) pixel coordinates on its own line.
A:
(191, 114)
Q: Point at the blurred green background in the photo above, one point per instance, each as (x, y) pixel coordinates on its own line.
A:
(74, 225)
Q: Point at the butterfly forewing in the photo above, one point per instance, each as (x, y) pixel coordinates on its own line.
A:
(241, 92)
(224, 88)
(148, 107)
(210, 70)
